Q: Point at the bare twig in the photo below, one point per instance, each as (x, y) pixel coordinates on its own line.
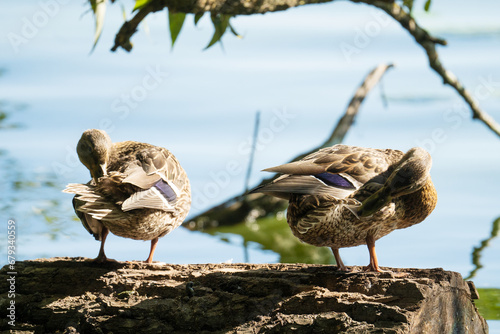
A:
(122, 38)
(252, 153)
(428, 42)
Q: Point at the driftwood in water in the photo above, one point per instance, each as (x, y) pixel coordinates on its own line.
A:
(74, 295)
(238, 208)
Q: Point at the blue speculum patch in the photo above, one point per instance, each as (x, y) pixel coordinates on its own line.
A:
(165, 190)
(335, 180)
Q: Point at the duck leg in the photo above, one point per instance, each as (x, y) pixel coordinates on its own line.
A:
(101, 258)
(154, 242)
(373, 266)
(340, 264)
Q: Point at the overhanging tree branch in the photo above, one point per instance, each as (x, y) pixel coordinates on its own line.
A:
(248, 7)
(224, 7)
(428, 42)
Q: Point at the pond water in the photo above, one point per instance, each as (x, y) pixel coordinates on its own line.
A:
(201, 105)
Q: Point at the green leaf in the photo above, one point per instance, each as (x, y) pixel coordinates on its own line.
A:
(427, 5)
(176, 20)
(220, 23)
(139, 4)
(99, 9)
(197, 17)
(234, 31)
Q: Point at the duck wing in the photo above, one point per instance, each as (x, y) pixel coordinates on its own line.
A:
(91, 206)
(339, 171)
(160, 178)
(93, 226)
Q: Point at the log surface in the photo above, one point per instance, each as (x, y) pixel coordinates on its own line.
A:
(74, 295)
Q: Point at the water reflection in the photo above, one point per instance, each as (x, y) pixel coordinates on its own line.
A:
(477, 251)
(6, 110)
(29, 194)
(32, 197)
(488, 303)
(272, 233)
(8, 170)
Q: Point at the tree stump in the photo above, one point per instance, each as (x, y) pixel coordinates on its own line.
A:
(75, 295)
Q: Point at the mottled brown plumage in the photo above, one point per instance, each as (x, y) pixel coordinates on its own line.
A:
(138, 191)
(345, 196)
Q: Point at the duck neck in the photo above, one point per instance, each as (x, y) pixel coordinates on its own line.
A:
(419, 204)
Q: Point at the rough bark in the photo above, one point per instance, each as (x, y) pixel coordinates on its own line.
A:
(70, 295)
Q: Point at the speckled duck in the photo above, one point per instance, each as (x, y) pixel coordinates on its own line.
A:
(345, 196)
(137, 191)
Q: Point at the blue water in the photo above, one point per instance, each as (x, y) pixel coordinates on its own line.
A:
(201, 106)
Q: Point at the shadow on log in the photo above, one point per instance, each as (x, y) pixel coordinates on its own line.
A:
(74, 295)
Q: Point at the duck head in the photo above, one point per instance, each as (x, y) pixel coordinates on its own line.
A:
(93, 150)
(409, 176)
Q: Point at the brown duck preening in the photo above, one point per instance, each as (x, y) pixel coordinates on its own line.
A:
(345, 196)
(137, 191)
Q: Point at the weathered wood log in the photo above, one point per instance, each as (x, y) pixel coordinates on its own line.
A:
(75, 295)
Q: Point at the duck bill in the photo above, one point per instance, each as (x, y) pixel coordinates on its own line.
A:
(375, 202)
(98, 171)
(103, 168)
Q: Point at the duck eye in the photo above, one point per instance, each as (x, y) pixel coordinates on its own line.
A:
(87, 148)
(84, 148)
